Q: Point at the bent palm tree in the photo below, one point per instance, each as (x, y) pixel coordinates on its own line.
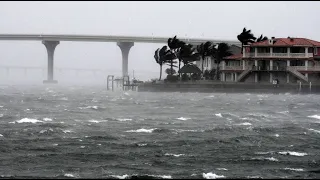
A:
(261, 38)
(188, 55)
(219, 53)
(163, 56)
(204, 50)
(246, 37)
(175, 45)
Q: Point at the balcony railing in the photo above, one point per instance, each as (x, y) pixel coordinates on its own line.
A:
(280, 55)
(303, 68)
(233, 68)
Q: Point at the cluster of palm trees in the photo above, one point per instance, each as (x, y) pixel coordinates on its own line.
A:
(181, 52)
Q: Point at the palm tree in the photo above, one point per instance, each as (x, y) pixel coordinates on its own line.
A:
(175, 46)
(246, 37)
(261, 38)
(204, 50)
(188, 55)
(163, 56)
(219, 53)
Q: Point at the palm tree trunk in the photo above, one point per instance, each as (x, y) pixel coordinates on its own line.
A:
(179, 67)
(160, 72)
(202, 62)
(217, 73)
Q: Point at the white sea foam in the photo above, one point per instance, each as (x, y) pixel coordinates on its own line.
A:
(1, 115)
(69, 175)
(292, 153)
(82, 147)
(94, 121)
(314, 116)
(187, 130)
(212, 176)
(270, 152)
(175, 155)
(27, 120)
(272, 159)
(142, 130)
(124, 119)
(89, 107)
(276, 135)
(245, 124)
(67, 131)
(1, 135)
(142, 144)
(55, 144)
(219, 115)
(120, 177)
(222, 169)
(162, 176)
(183, 118)
(47, 119)
(317, 131)
(294, 169)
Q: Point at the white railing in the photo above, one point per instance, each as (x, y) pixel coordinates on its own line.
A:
(297, 67)
(233, 68)
(290, 55)
(303, 68)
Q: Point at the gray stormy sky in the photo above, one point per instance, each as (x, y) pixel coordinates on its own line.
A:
(221, 20)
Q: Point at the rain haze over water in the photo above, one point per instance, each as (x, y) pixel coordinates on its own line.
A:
(78, 129)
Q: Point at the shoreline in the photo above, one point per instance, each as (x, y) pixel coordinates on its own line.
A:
(229, 87)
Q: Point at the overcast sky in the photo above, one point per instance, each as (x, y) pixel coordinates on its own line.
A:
(221, 20)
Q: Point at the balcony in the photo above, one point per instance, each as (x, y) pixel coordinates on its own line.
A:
(233, 68)
(304, 68)
(278, 55)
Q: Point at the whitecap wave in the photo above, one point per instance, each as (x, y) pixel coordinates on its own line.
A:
(67, 131)
(222, 169)
(121, 177)
(183, 118)
(219, 115)
(141, 145)
(212, 176)
(69, 175)
(142, 130)
(1, 135)
(245, 124)
(262, 153)
(89, 107)
(292, 153)
(27, 120)
(294, 169)
(47, 119)
(94, 121)
(314, 116)
(124, 119)
(175, 155)
(317, 131)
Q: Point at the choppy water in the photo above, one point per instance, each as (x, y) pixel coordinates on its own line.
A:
(87, 132)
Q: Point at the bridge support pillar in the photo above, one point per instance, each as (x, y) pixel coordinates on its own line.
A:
(125, 48)
(50, 46)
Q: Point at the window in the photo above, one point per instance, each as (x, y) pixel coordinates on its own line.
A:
(315, 51)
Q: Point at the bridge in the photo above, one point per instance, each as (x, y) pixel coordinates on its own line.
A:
(124, 42)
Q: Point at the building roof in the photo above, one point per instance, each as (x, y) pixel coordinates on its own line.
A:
(234, 57)
(287, 42)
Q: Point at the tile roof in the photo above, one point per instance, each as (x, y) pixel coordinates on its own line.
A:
(235, 57)
(288, 42)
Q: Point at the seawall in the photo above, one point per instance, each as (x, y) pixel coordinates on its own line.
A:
(228, 87)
